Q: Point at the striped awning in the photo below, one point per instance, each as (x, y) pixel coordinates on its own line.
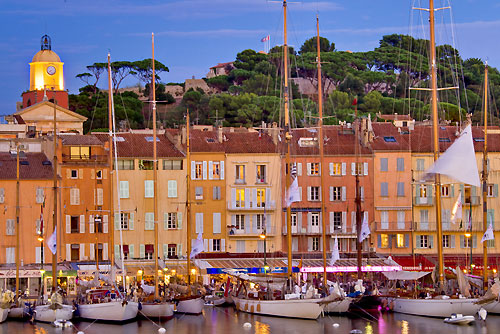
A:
(244, 263)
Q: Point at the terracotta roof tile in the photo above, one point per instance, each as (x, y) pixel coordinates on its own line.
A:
(34, 170)
(90, 140)
(137, 145)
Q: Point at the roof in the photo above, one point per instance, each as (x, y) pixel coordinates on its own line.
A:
(387, 137)
(46, 56)
(88, 140)
(395, 117)
(26, 111)
(219, 65)
(232, 142)
(35, 169)
(139, 145)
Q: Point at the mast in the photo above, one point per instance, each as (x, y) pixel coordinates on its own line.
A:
(155, 166)
(435, 137)
(110, 157)
(485, 179)
(18, 209)
(188, 203)
(321, 154)
(54, 216)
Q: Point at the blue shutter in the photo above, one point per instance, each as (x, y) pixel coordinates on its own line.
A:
(407, 240)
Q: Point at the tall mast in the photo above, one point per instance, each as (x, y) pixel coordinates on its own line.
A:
(155, 165)
(18, 255)
(321, 154)
(110, 158)
(485, 179)
(435, 137)
(188, 202)
(54, 216)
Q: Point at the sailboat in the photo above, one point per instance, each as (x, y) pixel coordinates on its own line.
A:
(156, 308)
(437, 307)
(290, 308)
(117, 308)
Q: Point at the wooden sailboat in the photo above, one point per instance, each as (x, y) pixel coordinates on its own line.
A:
(117, 309)
(435, 307)
(156, 308)
(291, 308)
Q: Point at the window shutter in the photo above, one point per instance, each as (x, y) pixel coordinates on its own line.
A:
(254, 223)
(344, 222)
(344, 195)
(105, 251)
(131, 253)
(105, 224)
(222, 170)
(247, 198)
(299, 221)
(216, 222)
(344, 167)
(68, 252)
(474, 241)
(299, 168)
(331, 223)
(462, 192)
(205, 245)
(117, 221)
(82, 224)
(117, 252)
(365, 168)
(353, 221)
(353, 168)
(131, 221)
(149, 224)
(309, 222)
(142, 251)
(233, 198)
(308, 193)
(165, 251)
(300, 194)
(126, 193)
(431, 241)
(309, 244)
(452, 241)
(204, 170)
(308, 168)
(379, 241)
(105, 174)
(179, 250)
(92, 174)
(172, 188)
(165, 221)
(495, 190)
(362, 191)
(100, 196)
(68, 224)
(148, 189)
(68, 173)
(91, 252)
(331, 168)
(179, 220)
(462, 241)
(331, 194)
(222, 245)
(193, 170)
(2, 195)
(91, 224)
(210, 170)
(407, 240)
(452, 189)
(82, 252)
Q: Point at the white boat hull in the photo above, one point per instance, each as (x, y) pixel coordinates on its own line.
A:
(493, 307)
(17, 313)
(440, 308)
(190, 306)
(294, 308)
(460, 320)
(44, 313)
(115, 311)
(157, 310)
(4, 312)
(341, 306)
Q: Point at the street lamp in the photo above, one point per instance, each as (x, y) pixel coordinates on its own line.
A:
(468, 235)
(263, 236)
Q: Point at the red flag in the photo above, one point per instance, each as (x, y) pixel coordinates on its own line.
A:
(265, 39)
(355, 101)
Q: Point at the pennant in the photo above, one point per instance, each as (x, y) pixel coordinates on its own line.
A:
(335, 253)
(488, 235)
(456, 212)
(459, 161)
(365, 230)
(265, 39)
(52, 242)
(197, 247)
(41, 218)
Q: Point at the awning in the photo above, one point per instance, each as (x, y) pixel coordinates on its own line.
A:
(254, 266)
(405, 275)
(347, 265)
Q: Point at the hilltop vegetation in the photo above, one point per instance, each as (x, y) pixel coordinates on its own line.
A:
(378, 80)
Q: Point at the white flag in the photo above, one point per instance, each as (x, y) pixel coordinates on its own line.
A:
(456, 212)
(488, 235)
(197, 247)
(365, 230)
(52, 242)
(335, 253)
(293, 194)
(459, 160)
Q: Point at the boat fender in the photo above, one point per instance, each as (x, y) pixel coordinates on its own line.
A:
(76, 313)
(247, 325)
(482, 314)
(336, 325)
(80, 332)
(162, 330)
(140, 306)
(356, 331)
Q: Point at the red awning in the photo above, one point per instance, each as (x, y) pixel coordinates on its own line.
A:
(150, 248)
(417, 263)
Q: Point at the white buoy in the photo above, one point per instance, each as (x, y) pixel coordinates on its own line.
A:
(80, 332)
(336, 325)
(162, 330)
(482, 313)
(247, 325)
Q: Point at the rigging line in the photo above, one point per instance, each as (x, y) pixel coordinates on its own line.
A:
(94, 111)
(125, 110)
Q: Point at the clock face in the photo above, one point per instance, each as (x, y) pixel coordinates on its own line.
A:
(51, 70)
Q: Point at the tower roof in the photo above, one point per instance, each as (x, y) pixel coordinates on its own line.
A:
(46, 56)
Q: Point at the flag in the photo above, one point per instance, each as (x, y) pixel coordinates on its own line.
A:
(355, 101)
(41, 218)
(265, 39)
(365, 230)
(456, 212)
(52, 242)
(459, 160)
(197, 246)
(293, 194)
(335, 252)
(488, 235)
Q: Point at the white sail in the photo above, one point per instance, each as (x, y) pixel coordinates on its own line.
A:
(456, 212)
(335, 252)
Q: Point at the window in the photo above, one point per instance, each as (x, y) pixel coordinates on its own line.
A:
(420, 164)
(75, 252)
(149, 221)
(10, 254)
(2, 195)
(80, 152)
(400, 240)
(198, 170)
(261, 174)
(490, 243)
(467, 194)
(424, 219)
(357, 168)
(384, 189)
(99, 252)
(216, 245)
(98, 174)
(337, 193)
(240, 198)
(314, 193)
(423, 241)
(172, 220)
(124, 220)
(384, 165)
(492, 190)
(445, 191)
(10, 227)
(171, 251)
(384, 219)
(313, 168)
(215, 170)
(315, 244)
(99, 194)
(444, 140)
(149, 189)
(422, 191)
(337, 221)
(216, 193)
(294, 219)
(75, 224)
(336, 168)
(466, 243)
(240, 174)
(198, 193)
(261, 197)
(401, 165)
(98, 223)
(172, 188)
(149, 251)
(146, 165)
(401, 220)
(74, 174)
(172, 164)
(389, 139)
(260, 222)
(446, 241)
(315, 221)
(126, 164)
(240, 222)
(150, 139)
(401, 189)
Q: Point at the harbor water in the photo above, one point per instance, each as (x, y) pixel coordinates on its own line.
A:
(226, 320)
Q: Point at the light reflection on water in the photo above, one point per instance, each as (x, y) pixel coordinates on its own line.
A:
(226, 320)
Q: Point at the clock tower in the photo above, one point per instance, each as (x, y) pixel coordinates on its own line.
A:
(46, 77)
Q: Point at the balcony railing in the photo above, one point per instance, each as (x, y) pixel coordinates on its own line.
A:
(423, 201)
(83, 158)
(250, 232)
(312, 230)
(392, 226)
(472, 200)
(236, 206)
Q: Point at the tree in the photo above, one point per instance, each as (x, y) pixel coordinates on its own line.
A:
(310, 45)
(371, 102)
(119, 71)
(161, 94)
(144, 71)
(248, 59)
(352, 85)
(220, 82)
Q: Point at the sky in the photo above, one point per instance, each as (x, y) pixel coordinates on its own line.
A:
(193, 35)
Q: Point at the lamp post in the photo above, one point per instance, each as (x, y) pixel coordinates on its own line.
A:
(42, 271)
(263, 236)
(468, 235)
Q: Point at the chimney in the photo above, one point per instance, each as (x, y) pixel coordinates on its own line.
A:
(220, 137)
(274, 133)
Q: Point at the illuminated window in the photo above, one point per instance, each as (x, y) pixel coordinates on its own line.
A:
(261, 174)
(400, 240)
(261, 197)
(384, 241)
(313, 168)
(80, 152)
(336, 168)
(240, 198)
(215, 170)
(198, 172)
(240, 174)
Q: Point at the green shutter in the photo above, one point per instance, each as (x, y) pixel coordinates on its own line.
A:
(452, 190)
(117, 252)
(179, 220)
(131, 251)
(431, 241)
(142, 251)
(495, 190)
(131, 221)
(117, 221)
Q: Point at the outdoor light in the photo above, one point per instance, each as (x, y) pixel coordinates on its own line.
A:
(165, 269)
(473, 265)
(193, 271)
(40, 238)
(465, 271)
(266, 268)
(467, 235)
(42, 271)
(173, 271)
(139, 272)
(262, 235)
(495, 271)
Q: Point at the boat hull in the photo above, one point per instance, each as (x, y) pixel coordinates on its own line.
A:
(4, 312)
(18, 313)
(440, 308)
(44, 313)
(295, 308)
(493, 307)
(224, 301)
(115, 311)
(157, 310)
(340, 306)
(190, 306)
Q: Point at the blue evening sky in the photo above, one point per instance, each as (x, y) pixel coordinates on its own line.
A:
(192, 35)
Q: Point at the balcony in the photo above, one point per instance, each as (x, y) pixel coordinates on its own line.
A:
(472, 200)
(236, 206)
(314, 230)
(250, 232)
(68, 158)
(392, 226)
(423, 201)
